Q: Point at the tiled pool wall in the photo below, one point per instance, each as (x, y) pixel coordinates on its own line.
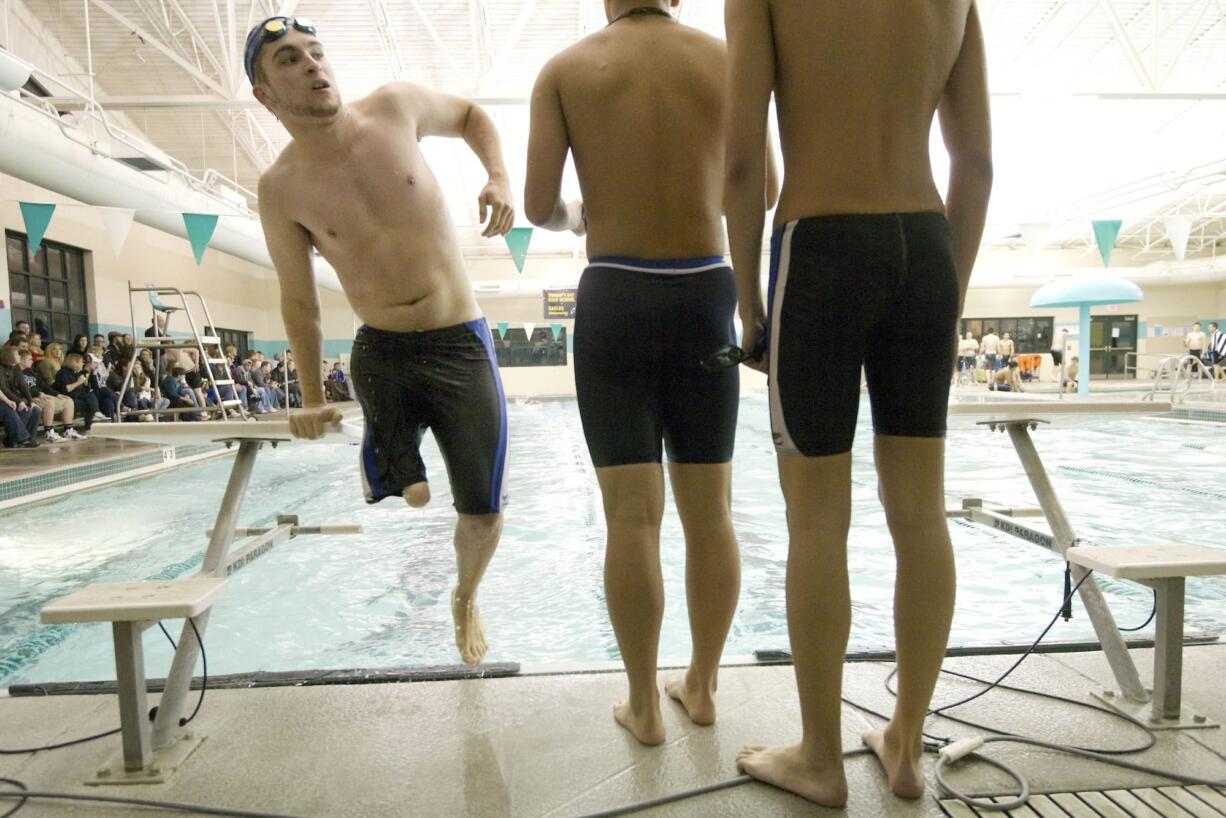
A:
(47, 485)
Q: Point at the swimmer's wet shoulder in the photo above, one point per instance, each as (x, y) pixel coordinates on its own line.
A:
(640, 104)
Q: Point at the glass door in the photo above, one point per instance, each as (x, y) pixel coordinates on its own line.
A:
(1112, 338)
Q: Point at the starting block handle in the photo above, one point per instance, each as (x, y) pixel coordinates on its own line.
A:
(296, 530)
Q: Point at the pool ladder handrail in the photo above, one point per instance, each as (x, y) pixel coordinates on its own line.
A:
(1179, 369)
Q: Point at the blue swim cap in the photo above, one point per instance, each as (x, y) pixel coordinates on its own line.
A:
(273, 28)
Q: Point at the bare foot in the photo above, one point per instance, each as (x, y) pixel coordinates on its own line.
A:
(647, 727)
(469, 635)
(418, 494)
(902, 767)
(698, 701)
(788, 768)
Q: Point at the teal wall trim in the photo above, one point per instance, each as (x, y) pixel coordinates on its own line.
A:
(6, 323)
(333, 348)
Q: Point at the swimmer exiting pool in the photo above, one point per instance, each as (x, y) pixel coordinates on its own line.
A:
(354, 185)
(640, 105)
(863, 246)
(1006, 379)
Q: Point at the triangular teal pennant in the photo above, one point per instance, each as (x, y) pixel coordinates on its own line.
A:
(1105, 233)
(502, 328)
(37, 217)
(556, 329)
(518, 240)
(200, 227)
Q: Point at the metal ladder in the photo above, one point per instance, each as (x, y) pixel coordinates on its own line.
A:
(1178, 369)
(205, 345)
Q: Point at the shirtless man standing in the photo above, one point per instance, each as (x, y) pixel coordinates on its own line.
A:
(863, 243)
(640, 104)
(968, 352)
(1006, 349)
(353, 184)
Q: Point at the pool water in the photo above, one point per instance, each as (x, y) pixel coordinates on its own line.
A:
(380, 599)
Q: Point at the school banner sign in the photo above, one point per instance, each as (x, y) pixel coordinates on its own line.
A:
(559, 304)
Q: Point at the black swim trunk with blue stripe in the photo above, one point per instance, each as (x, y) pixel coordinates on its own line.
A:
(445, 380)
(641, 330)
(878, 291)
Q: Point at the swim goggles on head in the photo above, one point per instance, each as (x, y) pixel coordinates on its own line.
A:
(274, 28)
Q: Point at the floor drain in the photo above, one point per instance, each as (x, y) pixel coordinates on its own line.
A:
(1159, 802)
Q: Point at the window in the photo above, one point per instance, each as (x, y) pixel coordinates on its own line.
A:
(515, 349)
(1030, 334)
(237, 338)
(48, 288)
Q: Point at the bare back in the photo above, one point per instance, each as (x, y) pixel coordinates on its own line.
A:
(643, 102)
(857, 85)
(375, 211)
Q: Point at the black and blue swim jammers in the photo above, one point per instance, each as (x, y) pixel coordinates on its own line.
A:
(877, 291)
(642, 328)
(445, 380)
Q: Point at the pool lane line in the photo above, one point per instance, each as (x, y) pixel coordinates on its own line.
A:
(1142, 481)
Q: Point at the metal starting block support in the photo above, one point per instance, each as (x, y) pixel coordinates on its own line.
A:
(1059, 542)
(1163, 568)
(150, 756)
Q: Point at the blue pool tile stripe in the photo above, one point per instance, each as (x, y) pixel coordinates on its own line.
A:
(66, 477)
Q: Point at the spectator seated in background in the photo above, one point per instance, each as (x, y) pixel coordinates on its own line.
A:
(80, 344)
(242, 383)
(221, 372)
(108, 399)
(21, 344)
(21, 328)
(175, 389)
(138, 396)
(115, 350)
(293, 383)
(17, 410)
(36, 346)
(147, 365)
(50, 363)
(263, 392)
(285, 377)
(1070, 374)
(336, 386)
(17, 337)
(157, 327)
(1006, 379)
(73, 382)
(49, 404)
(45, 371)
(193, 377)
(270, 382)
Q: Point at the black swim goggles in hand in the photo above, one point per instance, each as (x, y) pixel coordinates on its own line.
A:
(274, 28)
(730, 355)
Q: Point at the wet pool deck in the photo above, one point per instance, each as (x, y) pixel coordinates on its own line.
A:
(546, 745)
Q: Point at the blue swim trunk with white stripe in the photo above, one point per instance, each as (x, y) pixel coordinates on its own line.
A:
(445, 380)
